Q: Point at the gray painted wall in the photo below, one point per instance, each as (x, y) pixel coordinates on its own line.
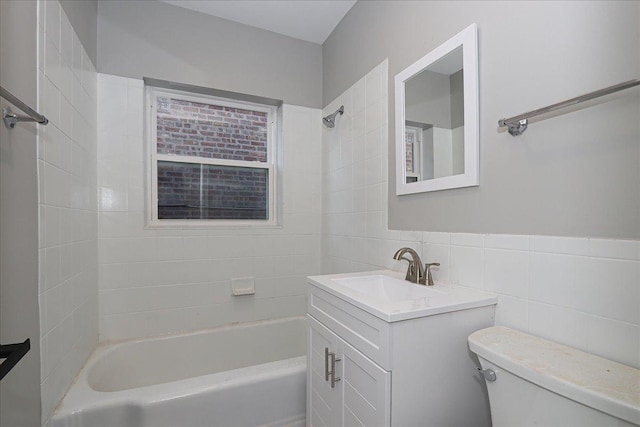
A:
(83, 15)
(19, 319)
(153, 39)
(575, 173)
(428, 99)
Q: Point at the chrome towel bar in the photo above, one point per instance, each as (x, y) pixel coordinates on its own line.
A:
(518, 124)
(10, 118)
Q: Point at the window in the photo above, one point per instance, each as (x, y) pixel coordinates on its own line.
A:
(212, 160)
(413, 142)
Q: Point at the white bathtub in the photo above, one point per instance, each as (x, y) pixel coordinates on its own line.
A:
(249, 374)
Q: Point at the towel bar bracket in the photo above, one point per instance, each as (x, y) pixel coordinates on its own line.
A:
(10, 118)
(517, 128)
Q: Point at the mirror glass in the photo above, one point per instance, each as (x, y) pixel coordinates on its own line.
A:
(436, 137)
(434, 120)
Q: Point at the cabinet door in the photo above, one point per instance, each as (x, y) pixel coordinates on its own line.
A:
(362, 394)
(365, 399)
(322, 400)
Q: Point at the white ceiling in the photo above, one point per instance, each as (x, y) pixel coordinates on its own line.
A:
(309, 20)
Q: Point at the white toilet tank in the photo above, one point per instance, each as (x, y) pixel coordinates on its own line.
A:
(544, 384)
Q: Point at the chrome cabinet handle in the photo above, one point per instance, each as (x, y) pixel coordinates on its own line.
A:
(334, 379)
(330, 360)
(326, 363)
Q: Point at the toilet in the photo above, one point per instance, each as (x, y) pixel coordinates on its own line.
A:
(535, 382)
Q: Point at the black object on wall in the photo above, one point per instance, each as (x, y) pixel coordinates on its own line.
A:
(12, 353)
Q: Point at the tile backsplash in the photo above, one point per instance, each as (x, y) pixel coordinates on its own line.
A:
(579, 291)
(555, 288)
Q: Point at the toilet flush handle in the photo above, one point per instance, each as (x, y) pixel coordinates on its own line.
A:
(488, 374)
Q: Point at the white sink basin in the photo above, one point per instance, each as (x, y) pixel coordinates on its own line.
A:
(386, 295)
(387, 288)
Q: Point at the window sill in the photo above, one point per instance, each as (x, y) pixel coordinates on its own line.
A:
(207, 224)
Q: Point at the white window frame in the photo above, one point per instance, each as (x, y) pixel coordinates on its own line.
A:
(152, 93)
(416, 148)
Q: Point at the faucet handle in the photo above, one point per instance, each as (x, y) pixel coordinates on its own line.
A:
(427, 271)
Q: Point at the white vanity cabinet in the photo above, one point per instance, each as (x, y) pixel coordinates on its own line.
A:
(398, 363)
(345, 388)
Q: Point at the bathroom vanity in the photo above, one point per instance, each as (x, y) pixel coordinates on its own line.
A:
(386, 352)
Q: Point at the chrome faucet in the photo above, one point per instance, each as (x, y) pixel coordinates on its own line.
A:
(416, 273)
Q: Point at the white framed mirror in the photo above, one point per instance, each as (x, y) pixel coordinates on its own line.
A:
(437, 136)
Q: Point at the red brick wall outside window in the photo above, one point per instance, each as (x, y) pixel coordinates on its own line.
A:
(192, 190)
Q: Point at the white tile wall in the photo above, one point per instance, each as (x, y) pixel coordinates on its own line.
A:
(68, 209)
(580, 291)
(157, 281)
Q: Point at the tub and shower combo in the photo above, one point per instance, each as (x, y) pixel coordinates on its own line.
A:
(249, 374)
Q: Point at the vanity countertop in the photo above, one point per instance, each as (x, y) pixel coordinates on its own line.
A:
(386, 295)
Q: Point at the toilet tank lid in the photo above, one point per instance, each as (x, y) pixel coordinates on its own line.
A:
(602, 384)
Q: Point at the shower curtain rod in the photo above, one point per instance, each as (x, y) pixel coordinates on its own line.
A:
(518, 124)
(10, 118)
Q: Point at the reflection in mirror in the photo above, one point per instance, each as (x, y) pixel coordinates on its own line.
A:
(436, 118)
